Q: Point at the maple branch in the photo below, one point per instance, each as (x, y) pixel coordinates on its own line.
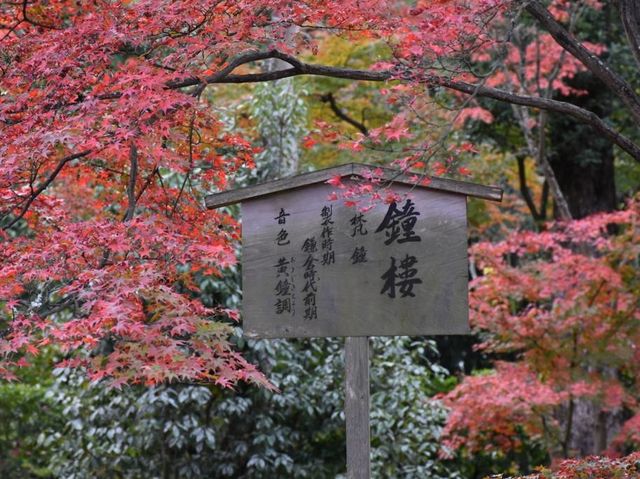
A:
(132, 199)
(26, 18)
(569, 109)
(19, 21)
(146, 183)
(594, 64)
(35, 193)
(300, 68)
(131, 187)
(10, 29)
(329, 98)
(52, 308)
(186, 177)
(297, 68)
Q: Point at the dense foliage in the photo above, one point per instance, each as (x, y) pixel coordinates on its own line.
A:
(119, 104)
(195, 431)
(560, 307)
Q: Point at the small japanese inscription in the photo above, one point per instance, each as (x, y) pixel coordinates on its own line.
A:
(359, 255)
(310, 274)
(328, 254)
(357, 225)
(358, 228)
(282, 238)
(285, 286)
(282, 217)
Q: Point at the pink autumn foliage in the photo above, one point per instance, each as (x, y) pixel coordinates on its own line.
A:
(488, 411)
(591, 468)
(473, 113)
(564, 303)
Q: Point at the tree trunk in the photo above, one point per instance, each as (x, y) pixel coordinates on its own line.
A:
(581, 159)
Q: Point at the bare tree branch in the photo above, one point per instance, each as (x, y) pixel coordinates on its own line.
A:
(566, 40)
(630, 15)
(329, 98)
(561, 203)
(580, 114)
(300, 68)
(524, 188)
(544, 200)
(297, 68)
(569, 109)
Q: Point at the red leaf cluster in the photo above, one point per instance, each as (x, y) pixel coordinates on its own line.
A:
(564, 302)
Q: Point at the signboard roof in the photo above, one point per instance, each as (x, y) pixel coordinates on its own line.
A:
(391, 176)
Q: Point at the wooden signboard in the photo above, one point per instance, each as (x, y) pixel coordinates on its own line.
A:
(314, 267)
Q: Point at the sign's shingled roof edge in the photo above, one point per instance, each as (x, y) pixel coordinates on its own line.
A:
(390, 175)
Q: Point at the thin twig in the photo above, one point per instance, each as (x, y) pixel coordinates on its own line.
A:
(131, 187)
(44, 185)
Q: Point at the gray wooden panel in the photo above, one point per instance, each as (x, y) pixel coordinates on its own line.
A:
(390, 176)
(356, 353)
(426, 292)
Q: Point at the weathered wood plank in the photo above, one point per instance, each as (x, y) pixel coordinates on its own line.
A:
(356, 351)
(390, 176)
(250, 192)
(354, 298)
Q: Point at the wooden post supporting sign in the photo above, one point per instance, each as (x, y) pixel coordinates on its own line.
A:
(356, 409)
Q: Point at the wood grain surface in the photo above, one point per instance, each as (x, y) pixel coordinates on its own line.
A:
(356, 409)
(354, 298)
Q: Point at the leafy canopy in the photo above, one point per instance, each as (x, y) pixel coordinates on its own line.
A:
(110, 135)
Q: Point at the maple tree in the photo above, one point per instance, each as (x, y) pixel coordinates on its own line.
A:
(109, 135)
(563, 303)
